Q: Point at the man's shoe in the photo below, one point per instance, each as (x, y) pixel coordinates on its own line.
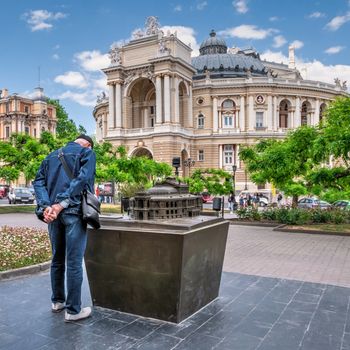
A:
(57, 307)
(84, 313)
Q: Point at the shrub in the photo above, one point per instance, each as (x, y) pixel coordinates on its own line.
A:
(319, 216)
(292, 216)
(23, 246)
(269, 214)
(248, 213)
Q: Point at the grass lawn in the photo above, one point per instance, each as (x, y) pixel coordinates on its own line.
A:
(322, 227)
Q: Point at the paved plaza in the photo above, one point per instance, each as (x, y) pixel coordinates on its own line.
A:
(268, 301)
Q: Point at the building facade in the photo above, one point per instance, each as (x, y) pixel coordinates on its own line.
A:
(163, 104)
(20, 114)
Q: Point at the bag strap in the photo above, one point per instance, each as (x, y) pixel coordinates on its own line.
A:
(64, 164)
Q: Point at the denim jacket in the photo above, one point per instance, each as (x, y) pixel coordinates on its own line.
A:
(52, 184)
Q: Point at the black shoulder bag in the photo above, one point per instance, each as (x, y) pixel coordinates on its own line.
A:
(90, 203)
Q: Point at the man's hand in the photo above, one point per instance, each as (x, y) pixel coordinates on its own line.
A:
(49, 215)
(57, 208)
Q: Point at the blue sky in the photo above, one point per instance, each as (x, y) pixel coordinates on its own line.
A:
(69, 40)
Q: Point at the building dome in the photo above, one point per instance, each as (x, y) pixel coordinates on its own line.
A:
(218, 63)
(213, 45)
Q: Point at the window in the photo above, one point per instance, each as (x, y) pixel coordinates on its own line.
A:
(26, 130)
(228, 121)
(228, 154)
(34, 132)
(201, 121)
(26, 109)
(7, 131)
(152, 109)
(259, 119)
(200, 155)
(228, 104)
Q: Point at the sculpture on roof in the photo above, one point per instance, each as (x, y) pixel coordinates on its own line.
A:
(162, 49)
(152, 25)
(337, 82)
(138, 34)
(102, 98)
(114, 55)
(344, 86)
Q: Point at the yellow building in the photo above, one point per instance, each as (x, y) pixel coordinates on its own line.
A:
(163, 104)
(26, 115)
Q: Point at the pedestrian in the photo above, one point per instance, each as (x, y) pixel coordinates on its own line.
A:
(59, 205)
(241, 200)
(279, 199)
(231, 202)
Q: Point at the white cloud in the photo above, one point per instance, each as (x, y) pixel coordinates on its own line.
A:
(246, 31)
(240, 6)
(201, 5)
(42, 19)
(337, 22)
(315, 70)
(56, 47)
(279, 41)
(334, 49)
(92, 60)
(297, 44)
(273, 19)
(74, 79)
(186, 35)
(100, 83)
(55, 56)
(178, 8)
(86, 98)
(316, 15)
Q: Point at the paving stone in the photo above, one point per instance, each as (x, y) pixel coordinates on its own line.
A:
(198, 341)
(156, 341)
(346, 342)
(138, 329)
(238, 341)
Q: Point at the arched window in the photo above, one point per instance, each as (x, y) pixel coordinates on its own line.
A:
(305, 110)
(228, 110)
(284, 112)
(322, 111)
(201, 121)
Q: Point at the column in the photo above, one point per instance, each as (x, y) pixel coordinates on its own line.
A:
(189, 105)
(269, 113)
(2, 131)
(215, 115)
(118, 105)
(291, 118)
(220, 156)
(238, 161)
(242, 114)
(38, 128)
(220, 119)
(297, 116)
(176, 100)
(317, 112)
(251, 116)
(158, 99)
(166, 98)
(145, 117)
(111, 107)
(275, 113)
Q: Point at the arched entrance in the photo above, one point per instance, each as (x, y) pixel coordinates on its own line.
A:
(182, 103)
(142, 152)
(322, 110)
(142, 102)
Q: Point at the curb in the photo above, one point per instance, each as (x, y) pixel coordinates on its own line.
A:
(329, 233)
(253, 223)
(24, 271)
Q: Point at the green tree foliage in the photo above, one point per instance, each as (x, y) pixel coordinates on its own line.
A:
(297, 164)
(215, 181)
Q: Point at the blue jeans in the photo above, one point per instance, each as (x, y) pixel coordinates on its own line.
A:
(68, 242)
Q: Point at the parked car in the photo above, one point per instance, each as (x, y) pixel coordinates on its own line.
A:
(342, 204)
(263, 197)
(313, 203)
(4, 189)
(20, 195)
(207, 197)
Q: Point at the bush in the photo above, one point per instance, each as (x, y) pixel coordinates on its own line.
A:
(249, 213)
(23, 246)
(319, 216)
(269, 214)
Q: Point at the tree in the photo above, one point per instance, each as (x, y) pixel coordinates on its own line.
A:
(66, 128)
(215, 181)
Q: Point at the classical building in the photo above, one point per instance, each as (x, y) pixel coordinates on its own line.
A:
(163, 104)
(26, 115)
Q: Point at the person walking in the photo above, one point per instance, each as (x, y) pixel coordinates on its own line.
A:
(59, 205)
(279, 200)
(231, 202)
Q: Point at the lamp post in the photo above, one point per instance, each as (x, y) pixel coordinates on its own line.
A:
(189, 163)
(234, 169)
(245, 180)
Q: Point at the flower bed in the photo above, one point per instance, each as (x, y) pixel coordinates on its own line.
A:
(23, 246)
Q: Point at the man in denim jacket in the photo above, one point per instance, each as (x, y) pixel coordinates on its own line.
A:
(59, 201)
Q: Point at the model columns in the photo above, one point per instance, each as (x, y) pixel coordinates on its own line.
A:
(189, 105)
(118, 105)
(242, 114)
(297, 120)
(317, 113)
(269, 113)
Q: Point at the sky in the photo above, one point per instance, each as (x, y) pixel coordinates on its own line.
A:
(69, 40)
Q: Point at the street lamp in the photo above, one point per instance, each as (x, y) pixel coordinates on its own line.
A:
(189, 163)
(234, 204)
(245, 180)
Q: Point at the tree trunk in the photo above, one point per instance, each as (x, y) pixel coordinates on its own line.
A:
(295, 201)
